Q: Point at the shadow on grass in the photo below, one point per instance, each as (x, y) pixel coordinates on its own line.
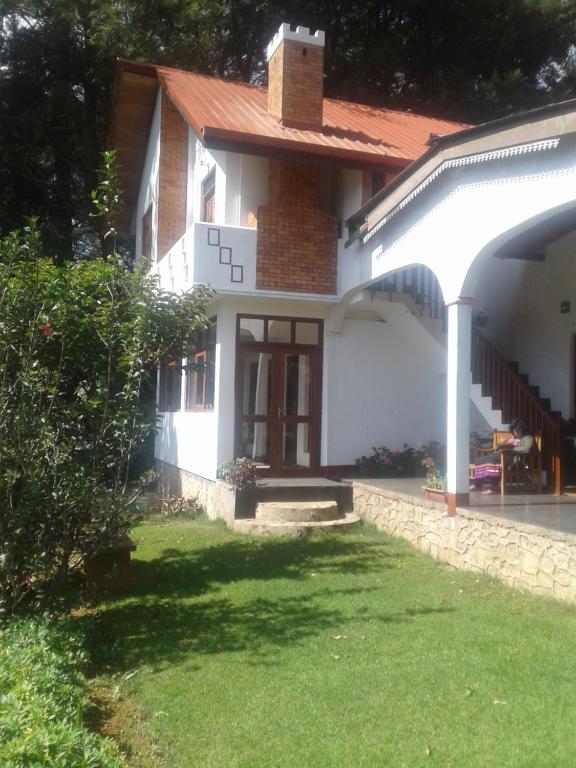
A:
(172, 616)
(187, 573)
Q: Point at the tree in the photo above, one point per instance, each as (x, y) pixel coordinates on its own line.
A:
(78, 344)
(455, 58)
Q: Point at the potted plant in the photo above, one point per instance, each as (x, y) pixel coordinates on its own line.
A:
(240, 476)
(435, 487)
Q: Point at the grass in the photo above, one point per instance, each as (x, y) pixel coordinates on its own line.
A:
(346, 651)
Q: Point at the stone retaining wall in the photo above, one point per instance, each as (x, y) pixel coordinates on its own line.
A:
(522, 556)
(217, 498)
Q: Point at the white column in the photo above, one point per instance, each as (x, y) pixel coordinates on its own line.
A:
(459, 381)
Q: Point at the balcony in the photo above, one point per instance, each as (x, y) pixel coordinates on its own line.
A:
(218, 255)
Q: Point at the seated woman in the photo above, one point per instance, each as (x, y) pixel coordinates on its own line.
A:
(490, 469)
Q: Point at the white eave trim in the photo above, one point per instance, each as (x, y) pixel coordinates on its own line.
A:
(482, 157)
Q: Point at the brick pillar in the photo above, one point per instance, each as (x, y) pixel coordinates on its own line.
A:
(172, 181)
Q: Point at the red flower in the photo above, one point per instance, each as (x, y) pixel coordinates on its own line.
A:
(46, 329)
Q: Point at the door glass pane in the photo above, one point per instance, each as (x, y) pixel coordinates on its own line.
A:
(279, 331)
(256, 383)
(296, 385)
(251, 329)
(295, 445)
(306, 333)
(256, 442)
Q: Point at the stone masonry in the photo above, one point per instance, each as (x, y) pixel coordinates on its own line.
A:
(523, 556)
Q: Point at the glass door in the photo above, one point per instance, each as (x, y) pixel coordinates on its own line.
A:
(294, 410)
(278, 375)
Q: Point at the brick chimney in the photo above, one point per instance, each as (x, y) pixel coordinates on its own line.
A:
(295, 77)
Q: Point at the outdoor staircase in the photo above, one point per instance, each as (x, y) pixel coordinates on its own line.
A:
(513, 394)
(298, 507)
(499, 391)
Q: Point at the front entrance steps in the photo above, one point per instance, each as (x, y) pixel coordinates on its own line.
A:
(298, 507)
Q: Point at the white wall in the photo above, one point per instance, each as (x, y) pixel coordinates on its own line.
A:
(254, 185)
(348, 199)
(148, 193)
(188, 440)
(522, 303)
(385, 385)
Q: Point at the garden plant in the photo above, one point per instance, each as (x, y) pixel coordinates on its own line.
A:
(79, 345)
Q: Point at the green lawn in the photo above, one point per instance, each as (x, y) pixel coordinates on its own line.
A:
(344, 651)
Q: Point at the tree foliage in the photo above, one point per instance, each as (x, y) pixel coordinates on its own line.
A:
(457, 58)
(78, 345)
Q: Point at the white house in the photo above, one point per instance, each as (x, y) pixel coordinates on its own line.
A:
(350, 252)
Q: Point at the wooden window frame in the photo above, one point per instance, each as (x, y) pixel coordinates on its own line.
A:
(193, 401)
(293, 320)
(204, 357)
(166, 391)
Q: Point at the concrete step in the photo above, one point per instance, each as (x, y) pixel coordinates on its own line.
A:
(298, 489)
(297, 511)
(270, 528)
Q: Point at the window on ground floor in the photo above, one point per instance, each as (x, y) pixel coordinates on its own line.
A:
(170, 395)
(200, 371)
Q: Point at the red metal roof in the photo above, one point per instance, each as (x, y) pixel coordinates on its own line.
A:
(235, 112)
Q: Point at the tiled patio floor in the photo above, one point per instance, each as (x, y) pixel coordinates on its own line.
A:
(557, 513)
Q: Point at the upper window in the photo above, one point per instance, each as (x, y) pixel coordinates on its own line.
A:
(209, 196)
(146, 234)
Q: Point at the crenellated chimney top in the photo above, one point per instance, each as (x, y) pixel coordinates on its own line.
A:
(295, 77)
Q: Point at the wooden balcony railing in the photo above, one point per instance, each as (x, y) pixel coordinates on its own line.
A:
(514, 397)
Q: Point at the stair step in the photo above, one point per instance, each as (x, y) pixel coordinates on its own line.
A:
(298, 490)
(269, 528)
(297, 511)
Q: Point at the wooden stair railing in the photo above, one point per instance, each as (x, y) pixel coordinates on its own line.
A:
(514, 397)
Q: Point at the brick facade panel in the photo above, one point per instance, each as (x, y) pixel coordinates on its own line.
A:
(297, 239)
(172, 180)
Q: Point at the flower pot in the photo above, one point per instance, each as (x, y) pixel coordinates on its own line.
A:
(435, 494)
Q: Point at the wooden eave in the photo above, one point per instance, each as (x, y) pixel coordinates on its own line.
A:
(133, 102)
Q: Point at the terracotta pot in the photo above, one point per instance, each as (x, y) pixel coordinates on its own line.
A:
(435, 494)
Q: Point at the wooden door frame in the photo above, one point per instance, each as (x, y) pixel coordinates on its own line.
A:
(316, 363)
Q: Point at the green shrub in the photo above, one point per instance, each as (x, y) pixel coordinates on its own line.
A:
(79, 344)
(240, 473)
(383, 462)
(43, 699)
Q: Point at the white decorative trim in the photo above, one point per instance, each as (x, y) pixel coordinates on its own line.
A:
(379, 253)
(301, 35)
(482, 157)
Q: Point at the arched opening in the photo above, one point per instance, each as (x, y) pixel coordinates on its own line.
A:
(385, 368)
(525, 336)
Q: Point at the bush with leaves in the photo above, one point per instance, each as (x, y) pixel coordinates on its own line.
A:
(44, 698)
(240, 473)
(78, 347)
